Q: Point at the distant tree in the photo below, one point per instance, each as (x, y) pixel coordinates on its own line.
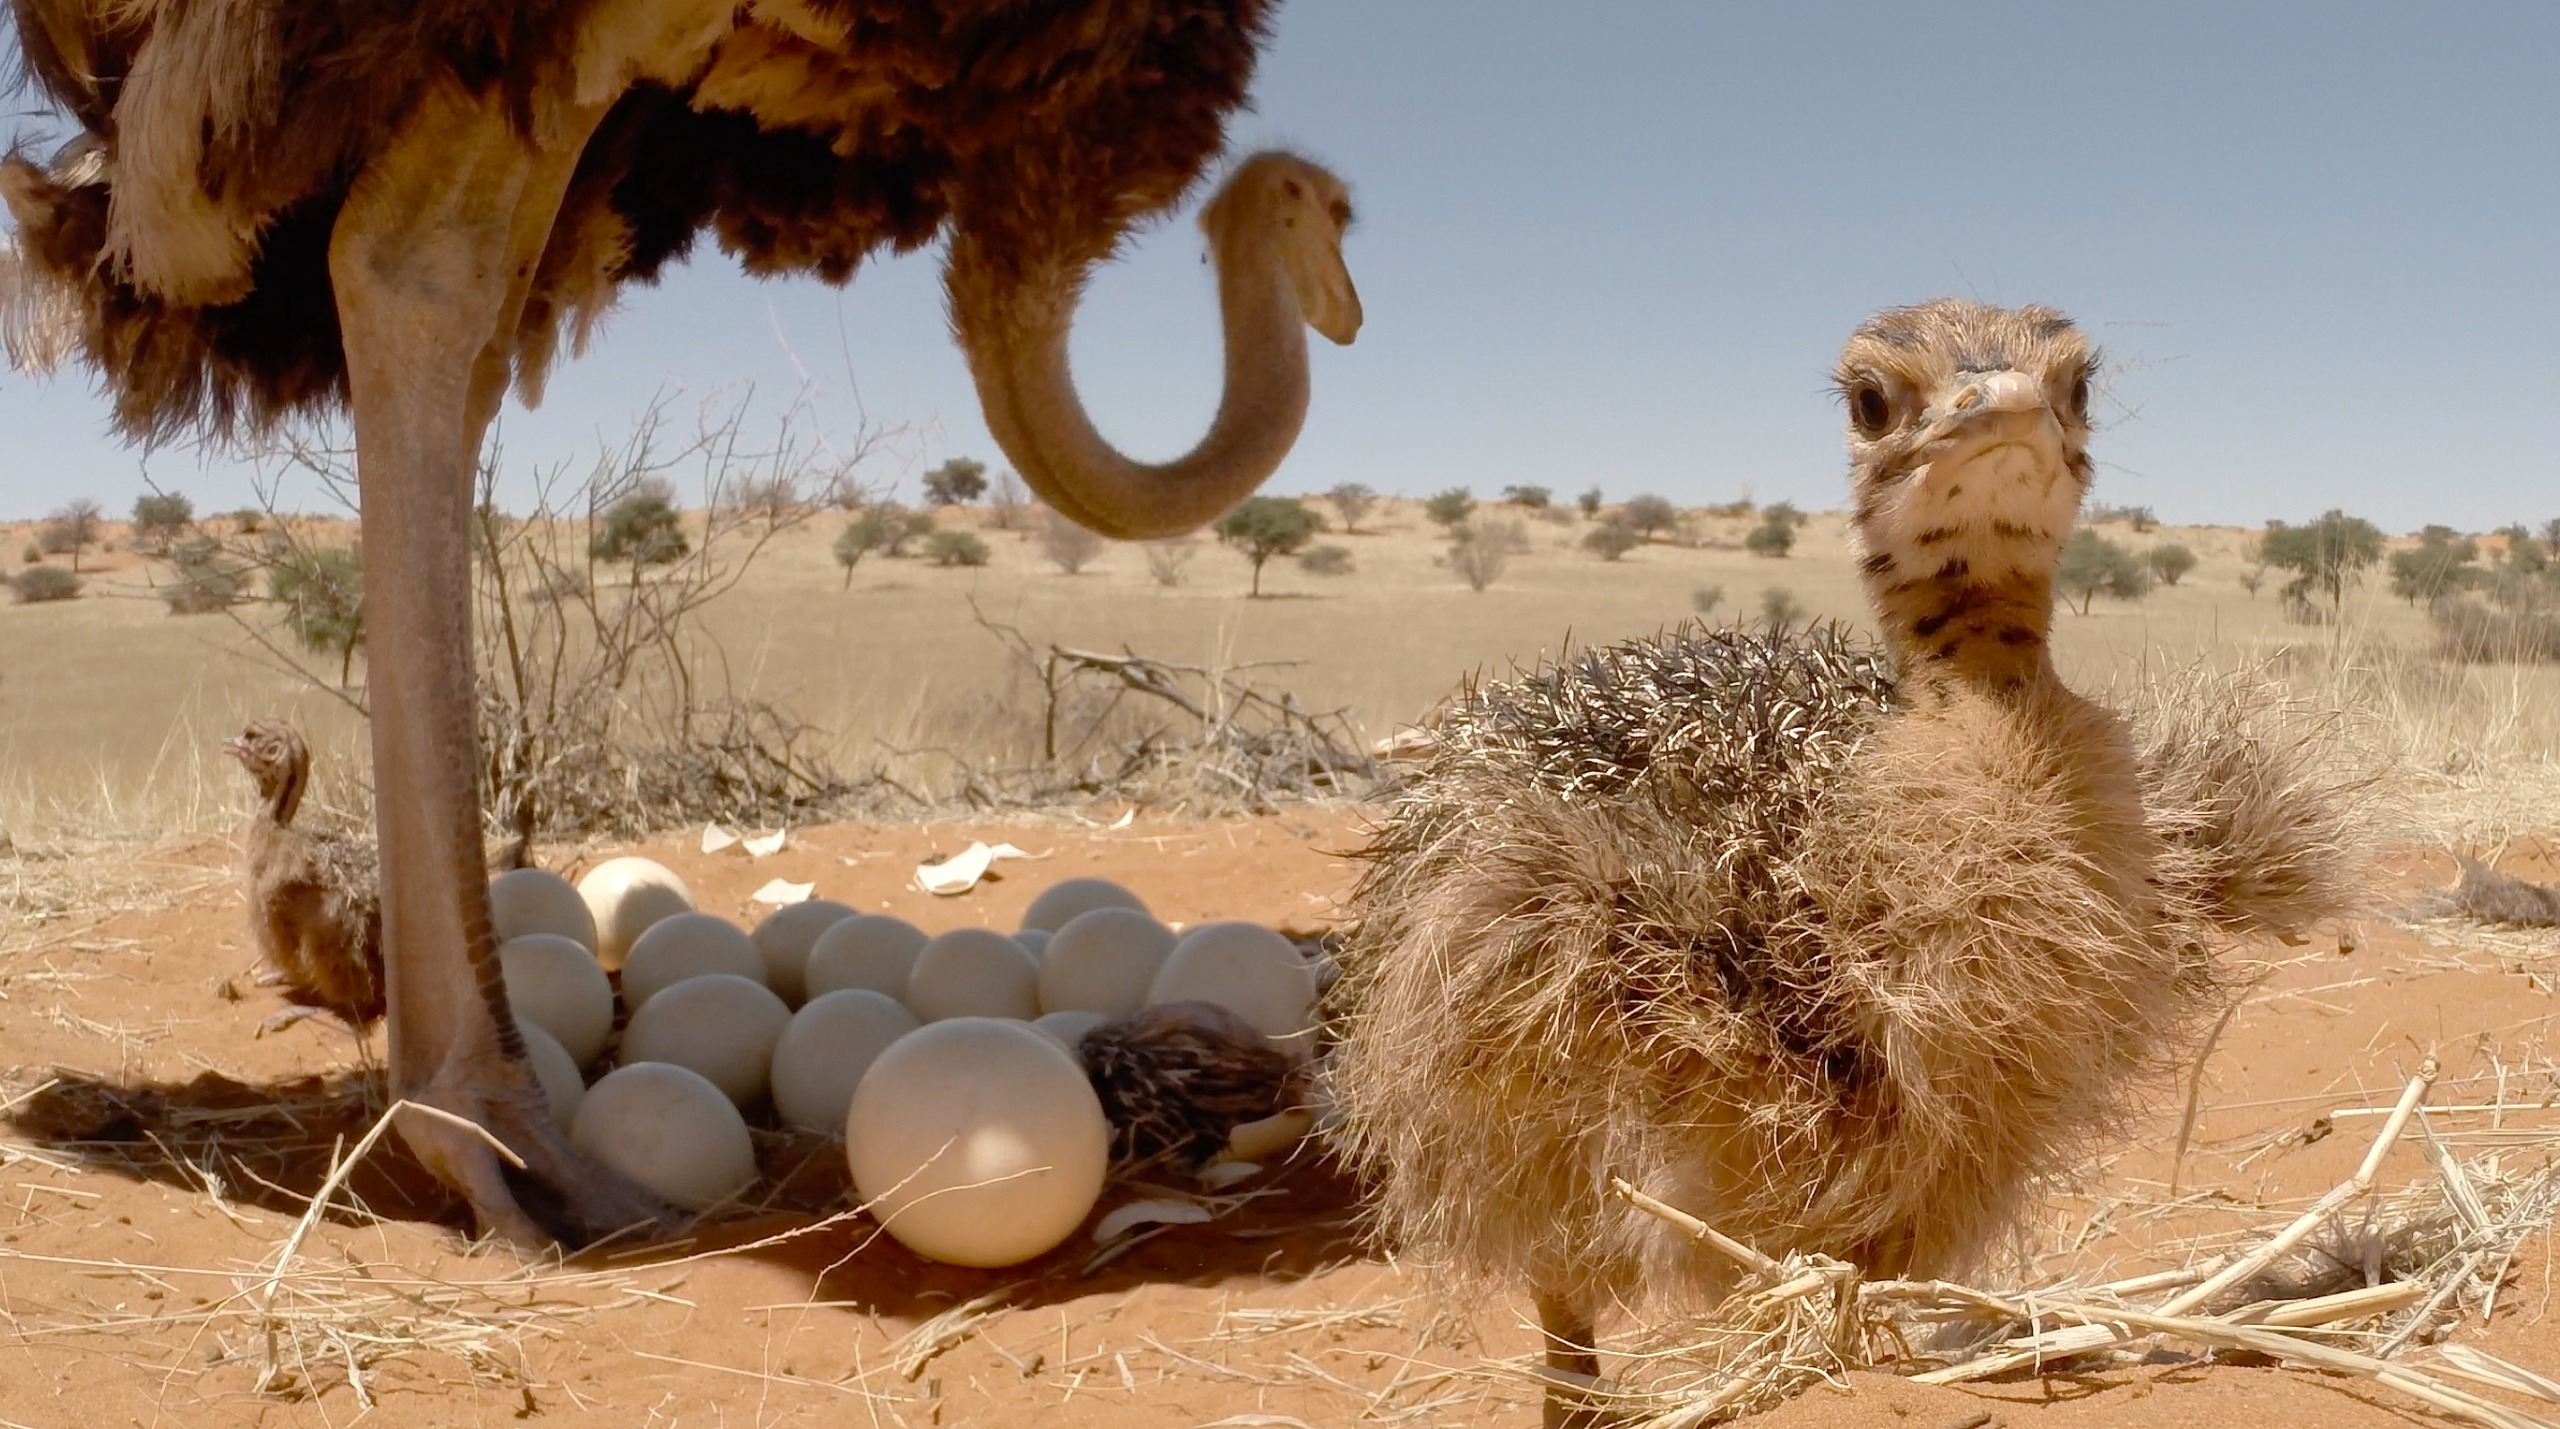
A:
(322, 591)
(1611, 539)
(2325, 556)
(1261, 527)
(2138, 517)
(1649, 516)
(2251, 579)
(1774, 536)
(2551, 535)
(956, 482)
(2092, 565)
(1326, 561)
(2169, 561)
(771, 499)
(1450, 508)
(1779, 608)
(203, 579)
(1534, 498)
(2525, 554)
(643, 529)
(1068, 546)
(1167, 560)
(1706, 598)
(1590, 502)
(2444, 561)
(37, 585)
(1007, 501)
(160, 517)
(860, 537)
(70, 529)
(1352, 500)
(248, 520)
(1480, 553)
(956, 548)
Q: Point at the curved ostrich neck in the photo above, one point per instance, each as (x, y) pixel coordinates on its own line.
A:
(1015, 333)
(288, 793)
(1981, 619)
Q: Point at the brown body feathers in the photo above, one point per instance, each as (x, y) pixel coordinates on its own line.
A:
(1176, 1078)
(314, 905)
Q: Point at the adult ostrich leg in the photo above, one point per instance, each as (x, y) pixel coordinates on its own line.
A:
(431, 259)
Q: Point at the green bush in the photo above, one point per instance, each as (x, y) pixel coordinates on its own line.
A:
(1326, 561)
(2092, 565)
(203, 581)
(160, 517)
(1649, 516)
(2169, 561)
(1780, 608)
(643, 529)
(1611, 539)
(1590, 502)
(956, 482)
(1535, 498)
(1450, 508)
(1261, 527)
(322, 592)
(1774, 536)
(1706, 598)
(38, 584)
(955, 548)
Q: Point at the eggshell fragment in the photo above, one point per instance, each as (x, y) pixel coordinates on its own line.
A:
(723, 1026)
(869, 950)
(625, 896)
(1103, 961)
(536, 900)
(556, 985)
(688, 945)
(670, 1130)
(976, 1141)
(783, 939)
(1062, 901)
(974, 972)
(826, 1050)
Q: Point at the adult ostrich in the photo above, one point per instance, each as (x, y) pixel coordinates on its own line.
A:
(398, 211)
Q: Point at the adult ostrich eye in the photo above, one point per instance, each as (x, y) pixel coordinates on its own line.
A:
(1870, 410)
(2080, 395)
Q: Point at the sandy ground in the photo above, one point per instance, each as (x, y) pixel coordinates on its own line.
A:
(157, 1157)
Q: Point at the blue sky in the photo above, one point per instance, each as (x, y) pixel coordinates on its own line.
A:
(1620, 243)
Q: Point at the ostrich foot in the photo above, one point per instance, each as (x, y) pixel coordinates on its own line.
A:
(1573, 1367)
(287, 1017)
(268, 978)
(540, 1190)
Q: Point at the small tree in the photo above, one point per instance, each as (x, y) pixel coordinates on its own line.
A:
(2252, 578)
(774, 499)
(1326, 561)
(2091, 564)
(1533, 498)
(1649, 516)
(1611, 539)
(160, 517)
(1590, 502)
(860, 537)
(2443, 562)
(642, 529)
(2169, 561)
(1773, 537)
(956, 482)
(1479, 557)
(1352, 500)
(1706, 598)
(1261, 527)
(955, 548)
(1007, 501)
(2551, 535)
(1068, 546)
(1450, 508)
(2325, 556)
(38, 584)
(204, 581)
(1168, 560)
(1779, 608)
(70, 529)
(322, 591)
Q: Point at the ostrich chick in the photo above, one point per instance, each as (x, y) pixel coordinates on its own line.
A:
(1840, 948)
(313, 899)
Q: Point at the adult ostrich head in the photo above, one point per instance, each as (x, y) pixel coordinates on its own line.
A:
(1969, 454)
(1275, 233)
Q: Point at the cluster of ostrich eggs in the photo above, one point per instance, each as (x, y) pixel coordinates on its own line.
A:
(946, 1063)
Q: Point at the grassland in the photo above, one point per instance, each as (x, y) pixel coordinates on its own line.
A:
(110, 708)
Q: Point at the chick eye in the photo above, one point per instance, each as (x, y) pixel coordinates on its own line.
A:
(1870, 410)
(2080, 395)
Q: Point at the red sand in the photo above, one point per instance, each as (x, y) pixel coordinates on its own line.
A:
(125, 1287)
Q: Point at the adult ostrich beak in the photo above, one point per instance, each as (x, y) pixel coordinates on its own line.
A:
(1275, 232)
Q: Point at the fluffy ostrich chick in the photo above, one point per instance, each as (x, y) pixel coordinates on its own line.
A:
(1840, 948)
(314, 904)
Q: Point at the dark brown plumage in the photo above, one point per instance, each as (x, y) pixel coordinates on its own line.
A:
(818, 134)
(313, 901)
(1177, 1077)
(2489, 896)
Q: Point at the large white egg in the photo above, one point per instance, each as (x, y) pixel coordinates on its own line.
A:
(974, 972)
(977, 1142)
(1034, 939)
(1103, 961)
(723, 1026)
(783, 939)
(558, 986)
(1249, 970)
(558, 1076)
(625, 896)
(670, 1130)
(826, 1049)
(523, 901)
(1069, 1028)
(870, 950)
(688, 945)
(1062, 901)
